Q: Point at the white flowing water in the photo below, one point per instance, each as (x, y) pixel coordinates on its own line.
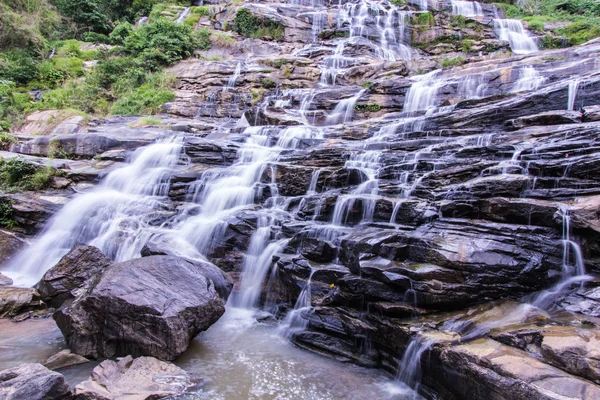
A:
(113, 217)
(467, 8)
(572, 94)
(182, 15)
(236, 74)
(529, 79)
(343, 111)
(422, 94)
(141, 21)
(512, 31)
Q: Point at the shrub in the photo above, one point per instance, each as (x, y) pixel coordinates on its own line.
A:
(250, 25)
(120, 33)
(466, 46)
(580, 32)
(425, 18)
(536, 26)
(7, 213)
(18, 66)
(218, 39)
(161, 43)
(192, 20)
(268, 83)
(368, 107)
(145, 99)
(6, 139)
(202, 37)
(451, 62)
(15, 172)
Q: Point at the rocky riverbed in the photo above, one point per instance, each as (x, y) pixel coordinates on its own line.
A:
(371, 203)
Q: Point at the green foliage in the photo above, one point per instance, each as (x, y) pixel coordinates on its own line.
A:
(145, 99)
(367, 85)
(451, 62)
(278, 63)
(425, 18)
(18, 66)
(120, 33)
(13, 104)
(373, 107)
(268, 83)
(24, 26)
(87, 14)
(202, 37)
(399, 3)
(536, 26)
(552, 42)
(218, 39)
(201, 11)
(192, 20)
(580, 32)
(17, 174)
(7, 213)
(250, 25)
(466, 46)
(6, 139)
(333, 34)
(257, 95)
(161, 43)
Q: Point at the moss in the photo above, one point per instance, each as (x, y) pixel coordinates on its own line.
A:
(257, 95)
(466, 46)
(367, 85)
(250, 25)
(147, 121)
(425, 18)
(219, 39)
(580, 32)
(373, 107)
(268, 83)
(451, 62)
(287, 72)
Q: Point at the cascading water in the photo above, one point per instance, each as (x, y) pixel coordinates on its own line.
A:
(529, 79)
(236, 74)
(512, 31)
(294, 321)
(343, 111)
(572, 94)
(422, 94)
(115, 216)
(467, 8)
(573, 267)
(183, 15)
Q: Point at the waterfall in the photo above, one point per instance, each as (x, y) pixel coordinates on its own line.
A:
(573, 88)
(422, 4)
(409, 369)
(573, 267)
(529, 79)
(234, 77)
(113, 217)
(467, 8)
(294, 322)
(512, 31)
(343, 111)
(183, 15)
(141, 21)
(422, 94)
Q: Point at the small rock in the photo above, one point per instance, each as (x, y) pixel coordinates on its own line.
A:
(14, 300)
(33, 382)
(5, 280)
(64, 359)
(140, 378)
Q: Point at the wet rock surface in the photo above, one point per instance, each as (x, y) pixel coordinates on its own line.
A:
(33, 381)
(139, 378)
(149, 306)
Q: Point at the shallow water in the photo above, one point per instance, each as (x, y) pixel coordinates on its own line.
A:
(236, 359)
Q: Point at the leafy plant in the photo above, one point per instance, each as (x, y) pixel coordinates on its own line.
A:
(451, 62)
(268, 83)
(373, 107)
(250, 25)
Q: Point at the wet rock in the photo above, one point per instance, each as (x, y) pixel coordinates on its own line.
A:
(16, 300)
(591, 113)
(141, 378)
(5, 280)
(10, 244)
(317, 250)
(488, 369)
(64, 359)
(558, 117)
(148, 306)
(33, 382)
(73, 272)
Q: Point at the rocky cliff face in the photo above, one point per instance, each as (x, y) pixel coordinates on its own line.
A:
(396, 185)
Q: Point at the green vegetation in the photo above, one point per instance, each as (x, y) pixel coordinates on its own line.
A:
(219, 39)
(257, 95)
(367, 85)
(7, 213)
(268, 83)
(126, 79)
(583, 15)
(252, 26)
(466, 46)
(399, 3)
(17, 175)
(424, 18)
(373, 107)
(147, 121)
(451, 62)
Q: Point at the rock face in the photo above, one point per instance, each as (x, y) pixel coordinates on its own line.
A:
(34, 382)
(142, 378)
(150, 306)
(73, 272)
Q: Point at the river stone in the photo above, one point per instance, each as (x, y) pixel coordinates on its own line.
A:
(5, 280)
(135, 379)
(73, 271)
(14, 300)
(64, 359)
(33, 382)
(149, 306)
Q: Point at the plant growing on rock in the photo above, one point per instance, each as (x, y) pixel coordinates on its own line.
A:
(373, 107)
(268, 83)
(451, 62)
(250, 25)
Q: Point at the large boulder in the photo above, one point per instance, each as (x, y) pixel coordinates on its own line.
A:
(74, 271)
(33, 382)
(141, 378)
(149, 306)
(10, 244)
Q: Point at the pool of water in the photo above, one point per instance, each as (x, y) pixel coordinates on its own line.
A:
(236, 359)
